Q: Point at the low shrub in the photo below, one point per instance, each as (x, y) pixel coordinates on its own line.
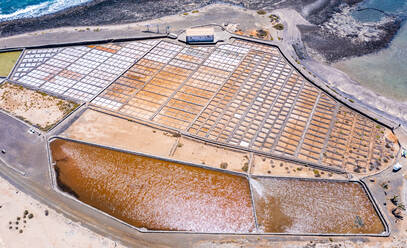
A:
(279, 26)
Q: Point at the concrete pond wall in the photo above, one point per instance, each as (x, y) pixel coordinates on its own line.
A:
(159, 195)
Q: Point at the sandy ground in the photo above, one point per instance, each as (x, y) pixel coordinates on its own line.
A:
(263, 166)
(89, 239)
(215, 13)
(55, 230)
(52, 230)
(103, 129)
(218, 157)
(225, 14)
(338, 80)
(34, 107)
(180, 21)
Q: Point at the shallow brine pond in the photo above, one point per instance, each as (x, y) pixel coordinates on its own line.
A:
(152, 193)
(313, 206)
(160, 195)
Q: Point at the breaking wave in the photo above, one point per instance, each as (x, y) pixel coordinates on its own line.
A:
(17, 9)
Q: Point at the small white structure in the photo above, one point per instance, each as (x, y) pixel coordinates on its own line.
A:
(397, 167)
(172, 36)
(200, 35)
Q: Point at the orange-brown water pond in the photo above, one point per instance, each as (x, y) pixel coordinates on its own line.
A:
(309, 206)
(160, 195)
(154, 194)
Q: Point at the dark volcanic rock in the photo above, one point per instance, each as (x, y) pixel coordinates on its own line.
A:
(102, 12)
(334, 48)
(397, 213)
(322, 13)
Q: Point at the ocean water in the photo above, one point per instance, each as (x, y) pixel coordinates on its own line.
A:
(15, 9)
(384, 72)
(392, 7)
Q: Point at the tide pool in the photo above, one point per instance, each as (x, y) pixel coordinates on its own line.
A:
(384, 72)
(391, 7)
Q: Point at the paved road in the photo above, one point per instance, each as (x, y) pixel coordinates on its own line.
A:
(25, 151)
(211, 14)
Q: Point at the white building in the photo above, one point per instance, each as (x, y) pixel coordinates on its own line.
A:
(198, 35)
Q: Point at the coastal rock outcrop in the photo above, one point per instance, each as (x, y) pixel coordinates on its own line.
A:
(341, 35)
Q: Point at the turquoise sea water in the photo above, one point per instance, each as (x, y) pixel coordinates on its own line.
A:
(384, 72)
(393, 7)
(14, 9)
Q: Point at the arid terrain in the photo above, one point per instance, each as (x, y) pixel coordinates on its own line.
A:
(34, 107)
(25, 222)
(238, 140)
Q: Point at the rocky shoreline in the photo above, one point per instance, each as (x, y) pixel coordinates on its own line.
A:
(107, 12)
(334, 35)
(341, 36)
(104, 12)
(324, 42)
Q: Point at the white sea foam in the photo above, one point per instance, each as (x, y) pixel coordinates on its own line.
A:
(308, 9)
(41, 9)
(256, 186)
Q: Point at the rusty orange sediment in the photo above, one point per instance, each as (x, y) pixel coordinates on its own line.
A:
(154, 194)
(167, 196)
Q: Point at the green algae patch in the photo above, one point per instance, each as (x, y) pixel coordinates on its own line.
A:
(7, 62)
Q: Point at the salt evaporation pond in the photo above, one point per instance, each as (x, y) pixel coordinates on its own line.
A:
(152, 193)
(314, 206)
(160, 195)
